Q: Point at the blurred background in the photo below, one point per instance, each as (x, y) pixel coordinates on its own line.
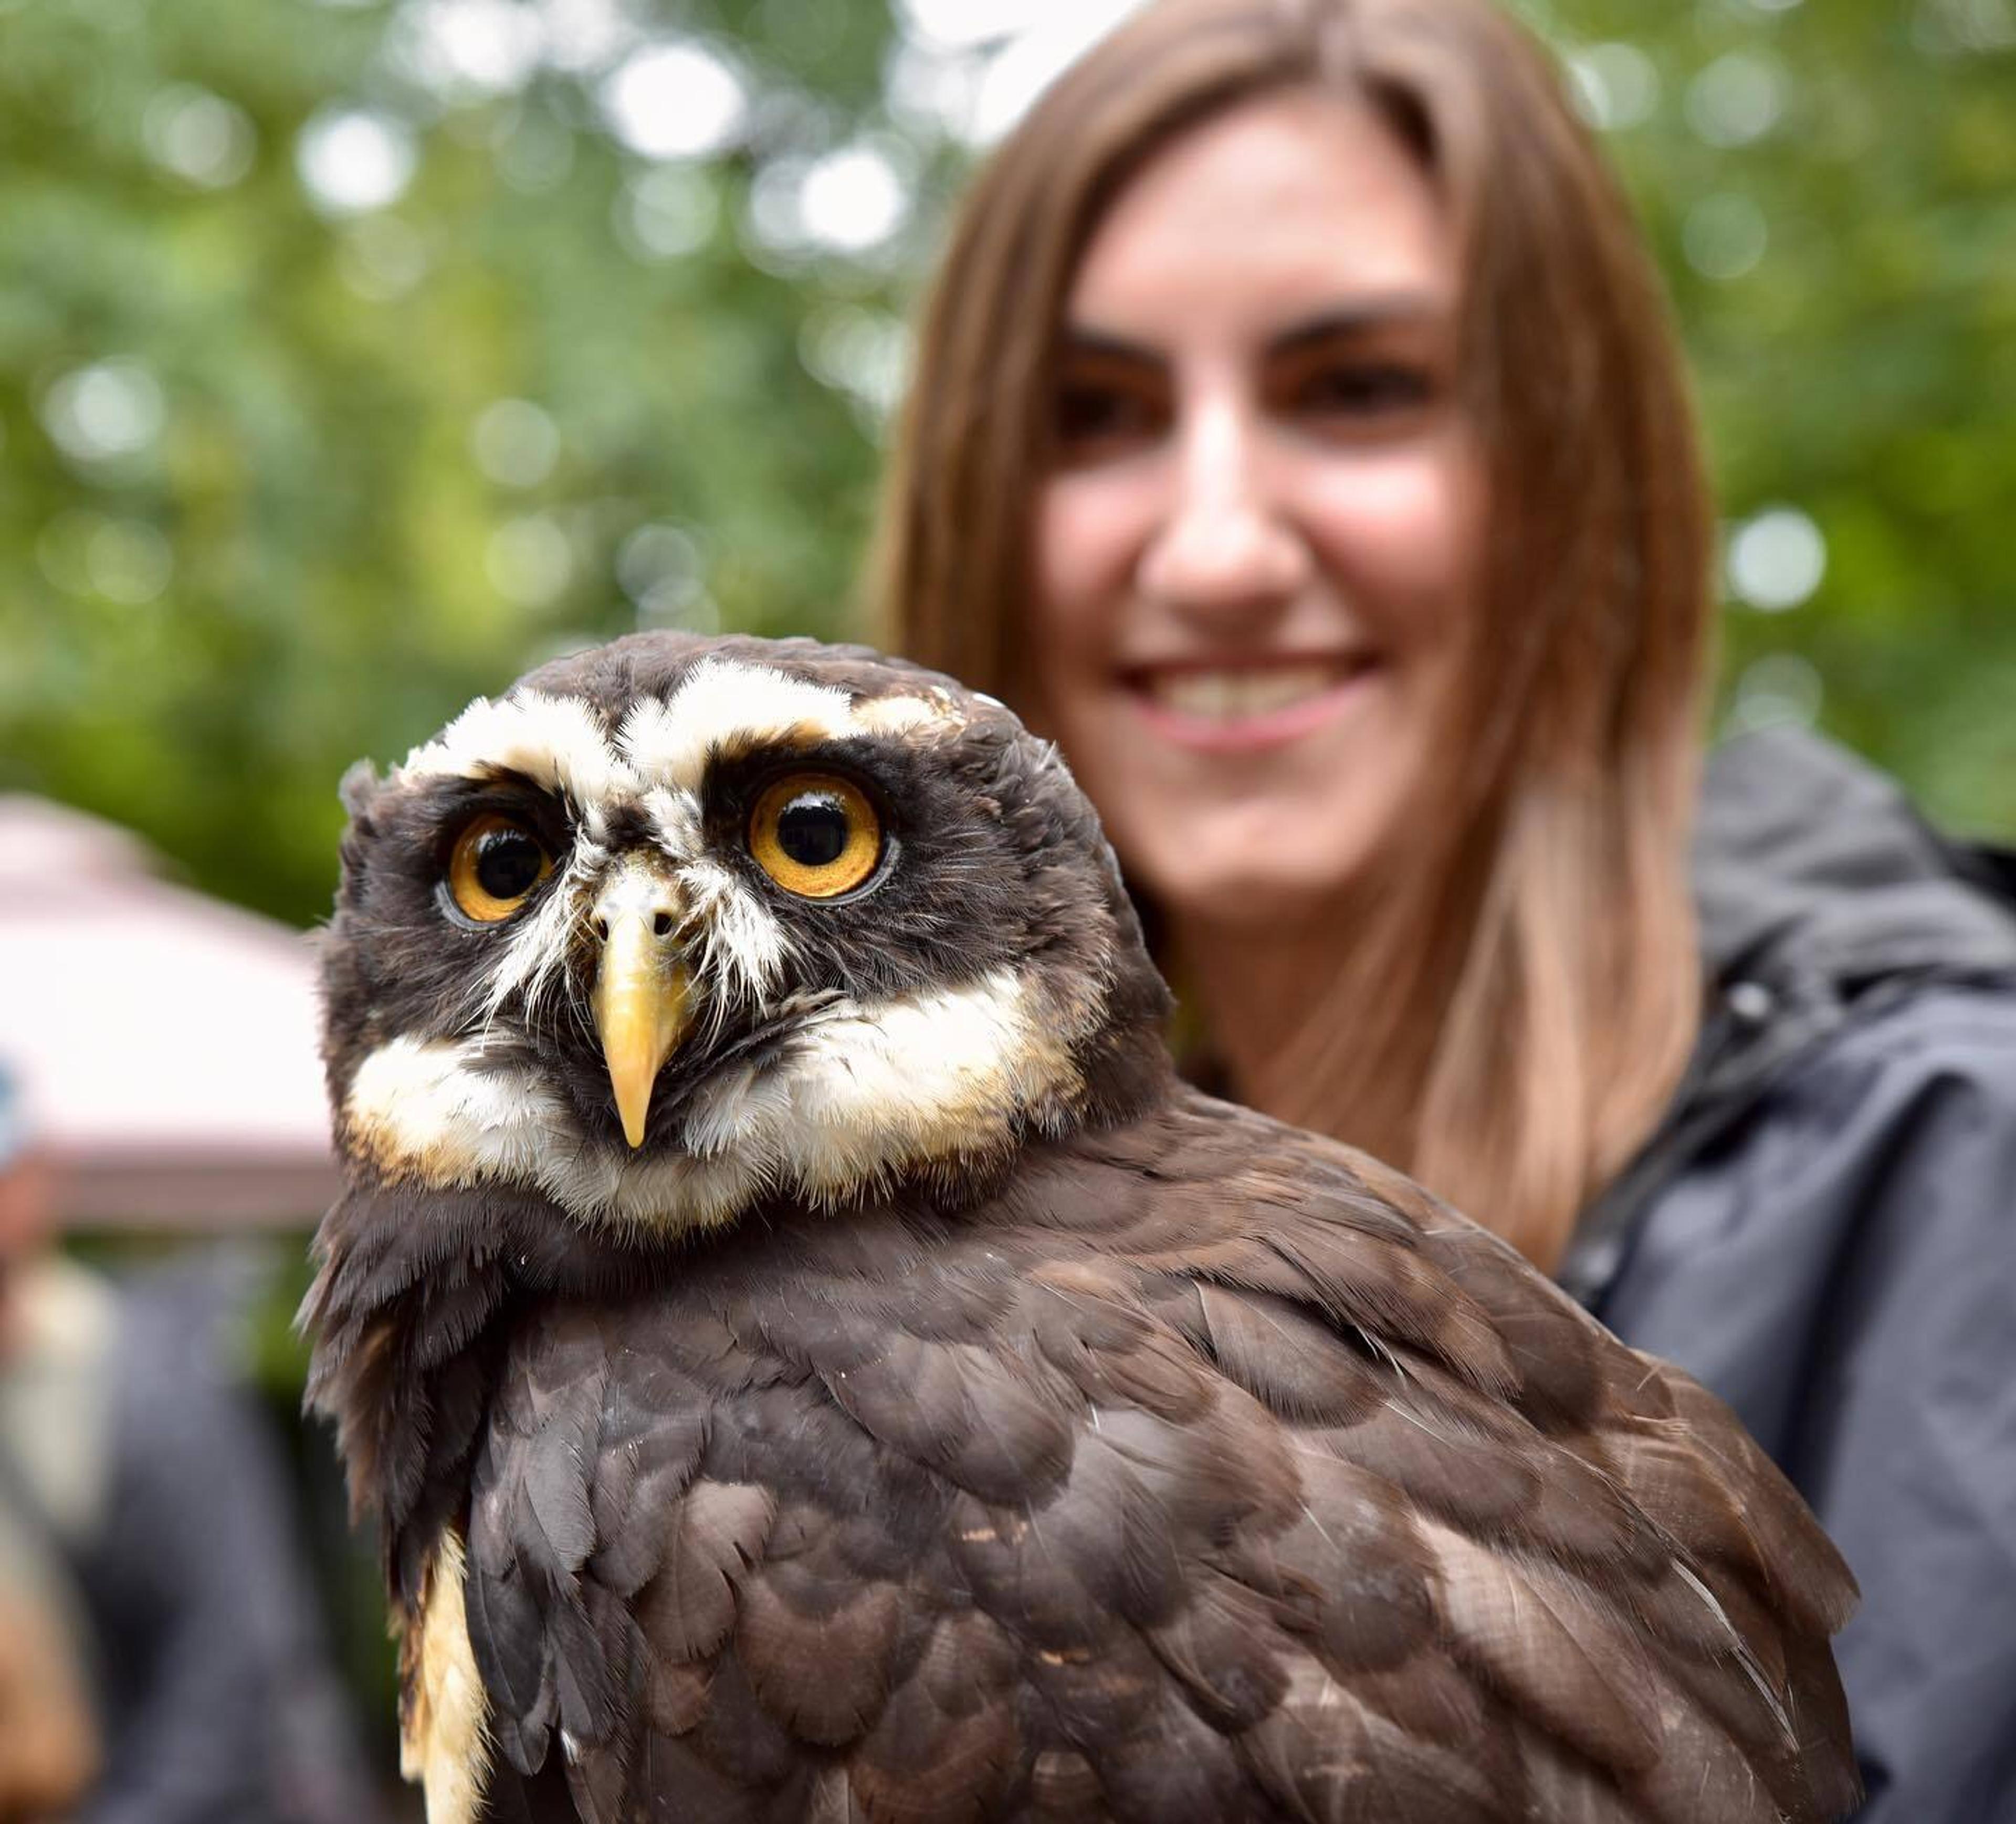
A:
(356, 354)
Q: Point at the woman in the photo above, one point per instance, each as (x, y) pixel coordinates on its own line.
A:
(1297, 437)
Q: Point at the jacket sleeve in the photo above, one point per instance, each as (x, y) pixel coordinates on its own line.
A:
(1844, 1270)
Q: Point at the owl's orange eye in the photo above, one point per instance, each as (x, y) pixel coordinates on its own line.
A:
(815, 835)
(495, 866)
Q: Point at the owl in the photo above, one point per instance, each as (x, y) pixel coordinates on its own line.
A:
(810, 1356)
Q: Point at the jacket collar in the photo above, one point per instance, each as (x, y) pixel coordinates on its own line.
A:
(1807, 856)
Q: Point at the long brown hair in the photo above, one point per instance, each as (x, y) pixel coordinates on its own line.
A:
(1510, 1018)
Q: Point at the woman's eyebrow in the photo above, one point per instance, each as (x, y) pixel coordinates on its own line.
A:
(1081, 340)
(1358, 318)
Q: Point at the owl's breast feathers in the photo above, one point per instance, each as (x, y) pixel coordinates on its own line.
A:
(1206, 1471)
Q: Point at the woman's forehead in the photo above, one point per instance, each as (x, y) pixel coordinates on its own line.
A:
(1281, 210)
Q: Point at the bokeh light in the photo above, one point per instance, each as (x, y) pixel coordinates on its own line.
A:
(515, 442)
(108, 410)
(675, 100)
(355, 159)
(201, 138)
(1738, 98)
(1776, 560)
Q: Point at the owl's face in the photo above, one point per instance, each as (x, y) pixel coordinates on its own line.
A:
(680, 923)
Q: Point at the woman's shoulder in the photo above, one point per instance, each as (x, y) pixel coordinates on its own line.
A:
(1811, 862)
(1853, 1097)
(1856, 955)
(1918, 1034)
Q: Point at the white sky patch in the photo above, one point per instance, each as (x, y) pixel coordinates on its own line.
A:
(963, 23)
(675, 100)
(587, 35)
(1023, 70)
(929, 89)
(970, 69)
(1777, 559)
(853, 199)
(466, 49)
(110, 409)
(353, 159)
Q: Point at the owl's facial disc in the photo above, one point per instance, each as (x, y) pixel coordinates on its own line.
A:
(679, 926)
(642, 997)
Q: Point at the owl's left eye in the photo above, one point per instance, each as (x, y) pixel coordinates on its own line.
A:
(815, 835)
(493, 867)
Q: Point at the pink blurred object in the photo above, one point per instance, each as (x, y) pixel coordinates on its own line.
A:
(167, 1042)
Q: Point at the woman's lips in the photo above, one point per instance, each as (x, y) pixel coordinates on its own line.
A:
(1226, 709)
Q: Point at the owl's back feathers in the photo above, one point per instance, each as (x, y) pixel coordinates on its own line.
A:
(1203, 1470)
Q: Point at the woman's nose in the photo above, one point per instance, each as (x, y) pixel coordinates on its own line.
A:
(1224, 541)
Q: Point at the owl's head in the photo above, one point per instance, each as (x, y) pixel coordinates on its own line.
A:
(678, 924)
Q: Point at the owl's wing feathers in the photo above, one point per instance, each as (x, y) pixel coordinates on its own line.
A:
(1209, 1472)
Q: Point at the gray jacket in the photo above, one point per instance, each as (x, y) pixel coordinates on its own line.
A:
(1824, 1232)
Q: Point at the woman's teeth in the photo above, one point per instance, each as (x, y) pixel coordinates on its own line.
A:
(1229, 696)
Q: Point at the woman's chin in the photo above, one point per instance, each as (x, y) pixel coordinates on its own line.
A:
(1245, 893)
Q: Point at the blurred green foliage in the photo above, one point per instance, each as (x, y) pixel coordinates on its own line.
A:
(288, 471)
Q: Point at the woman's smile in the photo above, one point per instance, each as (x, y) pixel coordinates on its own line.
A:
(1238, 705)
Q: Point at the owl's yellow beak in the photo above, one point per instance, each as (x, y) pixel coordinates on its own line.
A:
(641, 990)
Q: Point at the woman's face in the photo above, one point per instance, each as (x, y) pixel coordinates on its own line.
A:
(1256, 538)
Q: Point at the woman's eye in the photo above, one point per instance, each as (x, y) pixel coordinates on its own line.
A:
(815, 835)
(493, 867)
(1362, 389)
(1090, 417)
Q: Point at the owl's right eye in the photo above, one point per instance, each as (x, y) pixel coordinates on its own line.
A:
(493, 867)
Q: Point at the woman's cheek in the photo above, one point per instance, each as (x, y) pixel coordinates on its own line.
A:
(1086, 531)
(1398, 535)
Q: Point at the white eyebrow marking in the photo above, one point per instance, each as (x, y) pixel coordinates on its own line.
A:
(891, 714)
(556, 742)
(723, 703)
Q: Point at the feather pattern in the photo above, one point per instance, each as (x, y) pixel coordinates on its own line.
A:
(1127, 1511)
(1047, 1441)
